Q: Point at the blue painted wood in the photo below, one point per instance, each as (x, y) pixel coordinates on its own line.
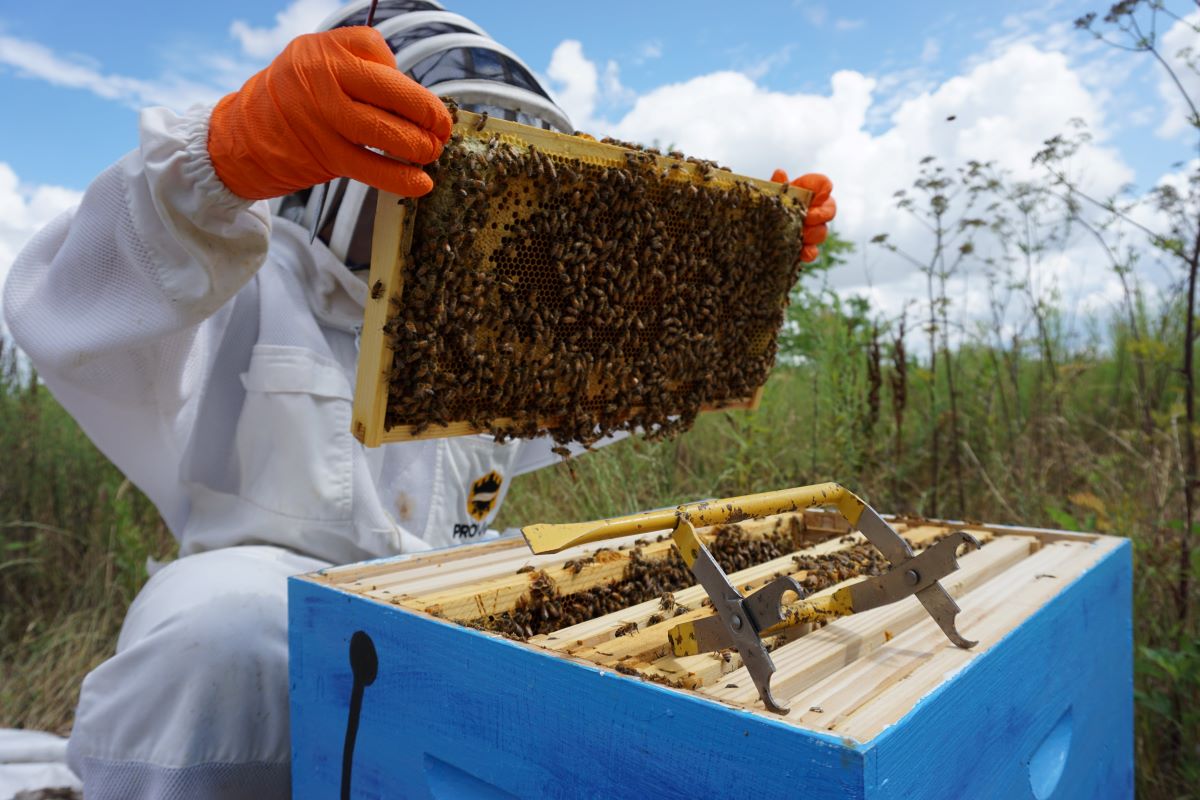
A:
(454, 713)
(1069, 666)
(454, 708)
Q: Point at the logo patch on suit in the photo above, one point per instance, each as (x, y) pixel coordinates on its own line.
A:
(483, 495)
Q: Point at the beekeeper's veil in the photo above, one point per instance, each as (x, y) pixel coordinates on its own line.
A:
(452, 57)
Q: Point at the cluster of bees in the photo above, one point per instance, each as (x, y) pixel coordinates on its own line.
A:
(823, 571)
(544, 609)
(551, 295)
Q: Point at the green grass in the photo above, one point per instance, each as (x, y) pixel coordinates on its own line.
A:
(74, 537)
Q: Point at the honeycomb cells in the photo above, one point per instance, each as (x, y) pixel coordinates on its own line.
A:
(578, 296)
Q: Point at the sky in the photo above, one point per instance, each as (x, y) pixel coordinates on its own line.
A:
(859, 91)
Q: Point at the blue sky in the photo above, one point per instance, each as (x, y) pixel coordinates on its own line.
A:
(858, 90)
(63, 136)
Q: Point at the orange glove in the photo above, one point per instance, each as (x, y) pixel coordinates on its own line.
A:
(821, 210)
(308, 117)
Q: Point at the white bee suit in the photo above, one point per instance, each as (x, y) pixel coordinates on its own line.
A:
(209, 350)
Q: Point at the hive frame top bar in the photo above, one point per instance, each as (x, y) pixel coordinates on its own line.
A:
(553, 142)
(553, 538)
(391, 242)
(851, 663)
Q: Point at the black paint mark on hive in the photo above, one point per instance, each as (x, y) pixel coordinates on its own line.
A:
(364, 665)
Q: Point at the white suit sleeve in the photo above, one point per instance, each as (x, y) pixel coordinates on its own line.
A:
(110, 300)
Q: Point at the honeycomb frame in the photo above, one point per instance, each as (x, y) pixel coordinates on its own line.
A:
(392, 263)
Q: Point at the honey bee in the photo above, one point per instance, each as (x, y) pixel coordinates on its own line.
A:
(482, 121)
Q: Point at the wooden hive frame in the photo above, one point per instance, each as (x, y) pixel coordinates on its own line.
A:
(852, 678)
(392, 239)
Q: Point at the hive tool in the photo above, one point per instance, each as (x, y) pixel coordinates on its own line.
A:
(741, 621)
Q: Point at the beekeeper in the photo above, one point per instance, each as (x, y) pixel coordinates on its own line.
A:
(207, 346)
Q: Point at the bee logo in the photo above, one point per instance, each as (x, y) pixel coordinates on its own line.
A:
(483, 495)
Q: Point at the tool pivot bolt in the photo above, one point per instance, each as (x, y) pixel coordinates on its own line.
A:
(736, 622)
(912, 577)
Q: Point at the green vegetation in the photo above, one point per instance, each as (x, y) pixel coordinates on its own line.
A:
(74, 538)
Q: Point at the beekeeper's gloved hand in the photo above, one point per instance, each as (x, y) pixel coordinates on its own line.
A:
(305, 118)
(821, 210)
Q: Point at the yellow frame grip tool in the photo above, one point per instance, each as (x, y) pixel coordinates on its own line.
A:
(742, 621)
(551, 538)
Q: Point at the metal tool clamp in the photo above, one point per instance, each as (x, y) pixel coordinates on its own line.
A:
(742, 621)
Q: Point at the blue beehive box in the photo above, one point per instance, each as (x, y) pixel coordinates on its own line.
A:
(392, 697)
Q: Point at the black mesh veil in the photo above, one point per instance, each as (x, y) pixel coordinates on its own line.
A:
(452, 57)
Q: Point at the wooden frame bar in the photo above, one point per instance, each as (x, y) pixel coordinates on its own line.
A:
(634, 640)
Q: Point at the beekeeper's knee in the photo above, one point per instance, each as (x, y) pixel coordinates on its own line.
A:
(199, 678)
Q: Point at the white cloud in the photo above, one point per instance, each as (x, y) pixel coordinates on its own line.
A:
(844, 24)
(575, 81)
(648, 51)
(301, 16)
(1141, 115)
(201, 78)
(1180, 47)
(814, 13)
(1041, 26)
(581, 88)
(930, 51)
(760, 67)
(1182, 181)
(613, 92)
(1004, 107)
(24, 210)
(33, 60)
